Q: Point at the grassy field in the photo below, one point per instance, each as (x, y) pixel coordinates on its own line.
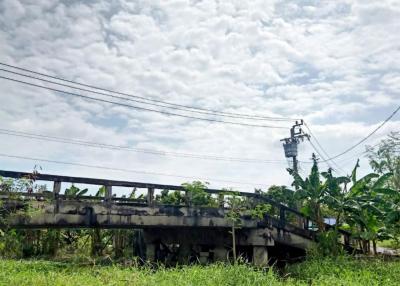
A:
(342, 271)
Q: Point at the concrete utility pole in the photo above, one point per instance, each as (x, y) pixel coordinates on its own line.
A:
(290, 144)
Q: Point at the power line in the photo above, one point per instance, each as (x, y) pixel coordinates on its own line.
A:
(363, 153)
(123, 170)
(127, 148)
(141, 108)
(139, 101)
(322, 149)
(366, 137)
(316, 140)
(209, 111)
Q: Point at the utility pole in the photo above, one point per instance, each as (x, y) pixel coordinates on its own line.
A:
(290, 144)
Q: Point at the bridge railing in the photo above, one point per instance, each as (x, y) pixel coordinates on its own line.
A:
(283, 214)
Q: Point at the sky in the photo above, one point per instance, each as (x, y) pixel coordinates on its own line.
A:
(334, 64)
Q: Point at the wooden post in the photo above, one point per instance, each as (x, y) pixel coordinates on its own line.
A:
(150, 197)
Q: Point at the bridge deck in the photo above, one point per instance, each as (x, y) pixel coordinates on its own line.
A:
(173, 223)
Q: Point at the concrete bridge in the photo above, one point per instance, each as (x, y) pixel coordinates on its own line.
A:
(281, 234)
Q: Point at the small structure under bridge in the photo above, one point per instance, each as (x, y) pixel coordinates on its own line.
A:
(282, 234)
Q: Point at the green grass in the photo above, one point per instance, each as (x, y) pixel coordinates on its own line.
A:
(341, 271)
(346, 271)
(51, 273)
(390, 243)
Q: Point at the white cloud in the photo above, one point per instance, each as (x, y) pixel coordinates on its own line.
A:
(334, 63)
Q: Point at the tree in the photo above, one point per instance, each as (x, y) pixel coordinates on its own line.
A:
(385, 158)
(236, 207)
(170, 198)
(282, 195)
(197, 195)
(336, 196)
(312, 192)
(363, 205)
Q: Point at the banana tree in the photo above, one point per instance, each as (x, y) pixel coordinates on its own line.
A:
(312, 192)
(74, 192)
(336, 195)
(365, 206)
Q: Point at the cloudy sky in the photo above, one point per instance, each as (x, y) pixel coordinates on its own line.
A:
(333, 63)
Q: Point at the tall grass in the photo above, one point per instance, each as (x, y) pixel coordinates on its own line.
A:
(345, 270)
(39, 273)
(328, 271)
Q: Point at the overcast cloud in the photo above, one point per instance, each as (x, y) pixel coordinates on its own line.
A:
(333, 63)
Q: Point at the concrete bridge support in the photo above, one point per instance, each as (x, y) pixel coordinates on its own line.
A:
(220, 254)
(183, 245)
(260, 256)
(150, 252)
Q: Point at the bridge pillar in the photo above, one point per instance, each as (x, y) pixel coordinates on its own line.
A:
(260, 255)
(150, 252)
(220, 254)
(184, 253)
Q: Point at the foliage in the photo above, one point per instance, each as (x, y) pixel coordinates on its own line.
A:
(385, 158)
(236, 207)
(171, 198)
(283, 195)
(74, 191)
(363, 208)
(260, 211)
(14, 243)
(197, 194)
(311, 191)
(132, 195)
(327, 245)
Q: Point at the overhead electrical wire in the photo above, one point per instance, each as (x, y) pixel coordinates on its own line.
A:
(124, 170)
(138, 101)
(348, 159)
(127, 148)
(186, 107)
(164, 104)
(141, 108)
(366, 137)
(322, 149)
